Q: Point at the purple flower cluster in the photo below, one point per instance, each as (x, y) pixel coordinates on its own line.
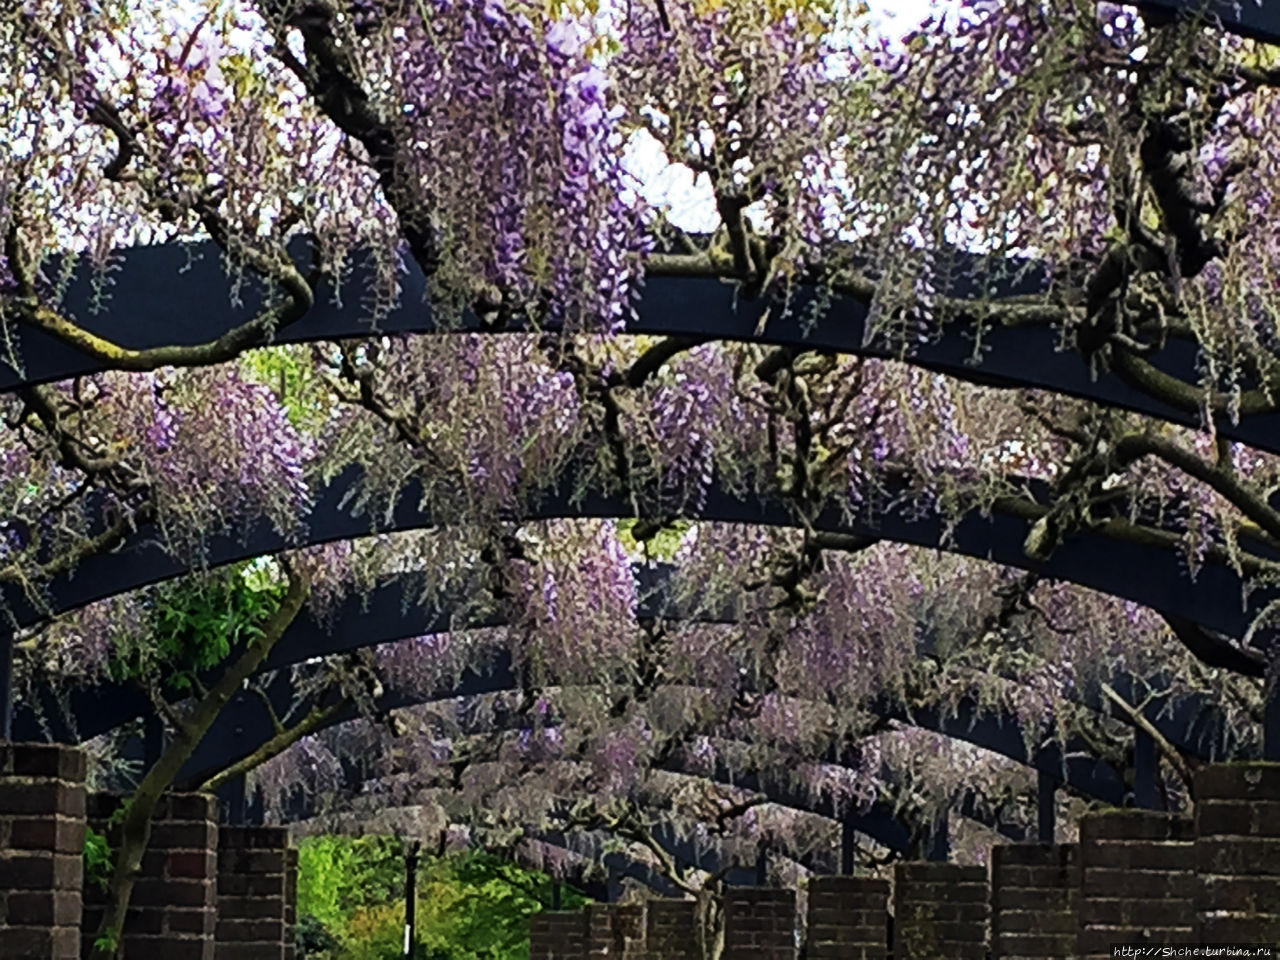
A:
(218, 448)
(520, 107)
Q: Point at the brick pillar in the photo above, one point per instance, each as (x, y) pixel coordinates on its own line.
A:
(290, 903)
(1137, 881)
(558, 935)
(628, 923)
(1238, 853)
(615, 931)
(847, 919)
(940, 912)
(1034, 889)
(173, 908)
(602, 939)
(251, 893)
(759, 924)
(670, 929)
(42, 806)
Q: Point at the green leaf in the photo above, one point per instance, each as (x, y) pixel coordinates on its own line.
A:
(97, 859)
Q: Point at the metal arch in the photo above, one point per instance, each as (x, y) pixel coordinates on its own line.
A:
(1194, 725)
(150, 280)
(244, 724)
(384, 619)
(1151, 576)
(619, 864)
(879, 822)
(1256, 19)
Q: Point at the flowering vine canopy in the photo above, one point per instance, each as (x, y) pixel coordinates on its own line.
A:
(541, 164)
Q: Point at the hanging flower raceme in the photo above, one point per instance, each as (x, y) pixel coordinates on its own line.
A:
(513, 148)
(577, 596)
(179, 121)
(758, 98)
(217, 449)
(484, 423)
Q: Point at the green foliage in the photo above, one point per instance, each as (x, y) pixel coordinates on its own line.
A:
(108, 941)
(292, 377)
(662, 545)
(97, 859)
(489, 902)
(194, 623)
(472, 906)
(313, 938)
(120, 812)
(339, 875)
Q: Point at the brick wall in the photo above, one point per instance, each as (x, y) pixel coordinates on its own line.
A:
(290, 903)
(1034, 891)
(42, 803)
(628, 919)
(759, 924)
(1238, 853)
(940, 912)
(172, 911)
(602, 939)
(670, 929)
(1137, 880)
(847, 919)
(251, 893)
(615, 930)
(558, 935)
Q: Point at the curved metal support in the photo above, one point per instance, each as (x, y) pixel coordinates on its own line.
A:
(1148, 575)
(151, 280)
(1195, 725)
(1146, 771)
(1046, 808)
(938, 840)
(878, 821)
(1271, 725)
(591, 844)
(1256, 19)
(244, 723)
(6, 686)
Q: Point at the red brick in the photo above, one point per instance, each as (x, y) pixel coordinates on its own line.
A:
(41, 798)
(191, 865)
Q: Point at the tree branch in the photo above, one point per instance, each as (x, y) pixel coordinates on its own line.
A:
(136, 827)
(1136, 717)
(317, 718)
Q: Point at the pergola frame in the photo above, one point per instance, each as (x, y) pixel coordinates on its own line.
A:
(1004, 363)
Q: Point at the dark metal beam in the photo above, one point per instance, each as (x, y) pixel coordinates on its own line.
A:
(1148, 575)
(150, 281)
(938, 840)
(878, 820)
(848, 844)
(1146, 793)
(1271, 723)
(6, 686)
(1256, 19)
(1046, 807)
(1194, 724)
(244, 723)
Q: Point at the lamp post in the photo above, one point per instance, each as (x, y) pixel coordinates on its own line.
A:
(410, 896)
